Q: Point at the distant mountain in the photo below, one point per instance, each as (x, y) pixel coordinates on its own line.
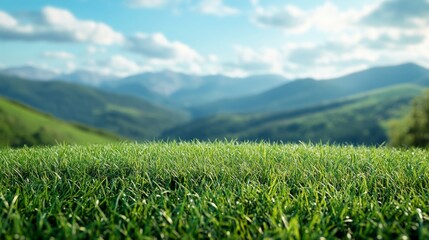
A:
(163, 83)
(21, 125)
(188, 90)
(40, 74)
(85, 77)
(164, 88)
(218, 87)
(124, 115)
(30, 72)
(308, 92)
(360, 119)
(136, 88)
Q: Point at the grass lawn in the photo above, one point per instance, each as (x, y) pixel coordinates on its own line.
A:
(214, 190)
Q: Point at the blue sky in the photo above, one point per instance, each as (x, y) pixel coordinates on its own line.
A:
(315, 38)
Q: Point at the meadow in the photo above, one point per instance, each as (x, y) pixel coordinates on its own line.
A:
(183, 190)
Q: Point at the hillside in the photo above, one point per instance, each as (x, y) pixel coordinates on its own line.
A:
(214, 191)
(180, 89)
(20, 125)
(358, 120)
(126, 116)
(309, 92)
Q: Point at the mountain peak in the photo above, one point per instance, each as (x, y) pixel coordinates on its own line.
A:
(410, 64)
(411, 67)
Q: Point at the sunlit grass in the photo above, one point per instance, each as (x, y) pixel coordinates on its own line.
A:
(214, 190)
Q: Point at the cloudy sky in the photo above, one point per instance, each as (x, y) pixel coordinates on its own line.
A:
(294, 38)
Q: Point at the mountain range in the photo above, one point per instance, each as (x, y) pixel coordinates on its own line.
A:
(359, 119)
(165, 88)
(355, 108)
(308, 92)
(41, 74)
(30, 72)
(185, 90)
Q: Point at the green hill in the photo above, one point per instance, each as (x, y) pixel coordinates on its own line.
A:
(358, 120)
(20, 125)
(309, 92)
(126, 116)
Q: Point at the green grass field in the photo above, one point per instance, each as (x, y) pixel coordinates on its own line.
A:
(213, 191)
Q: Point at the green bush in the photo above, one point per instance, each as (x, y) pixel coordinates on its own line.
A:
(413, 129)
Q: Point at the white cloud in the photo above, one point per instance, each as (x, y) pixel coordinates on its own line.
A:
(157, 4)
(254, 3)
(113, 66)
(399, 14)
(70, 67)
(157, 46)
(343, 40)
(296, 61)
(251, 61)
(208, 7)
(287, 17)
(57, 25)
(7, 21)
(329, 18)
(306, 59)
(146, 3)
(121, 66)
(345, 53)
(94, 50)
(217, 8)
(91, 50)
(58, 55)
(325, 18)
(333, 53)
(200, 66)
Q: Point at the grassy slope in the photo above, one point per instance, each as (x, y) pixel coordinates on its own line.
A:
(20, 125)
(214, 191)
(127, 116)
(357, 120)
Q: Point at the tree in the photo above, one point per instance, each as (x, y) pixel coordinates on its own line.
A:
(413, 129)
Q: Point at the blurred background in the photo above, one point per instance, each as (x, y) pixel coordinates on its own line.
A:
(103, 71)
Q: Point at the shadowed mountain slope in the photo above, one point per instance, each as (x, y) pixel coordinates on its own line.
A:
(308, 92)
(359, 119)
